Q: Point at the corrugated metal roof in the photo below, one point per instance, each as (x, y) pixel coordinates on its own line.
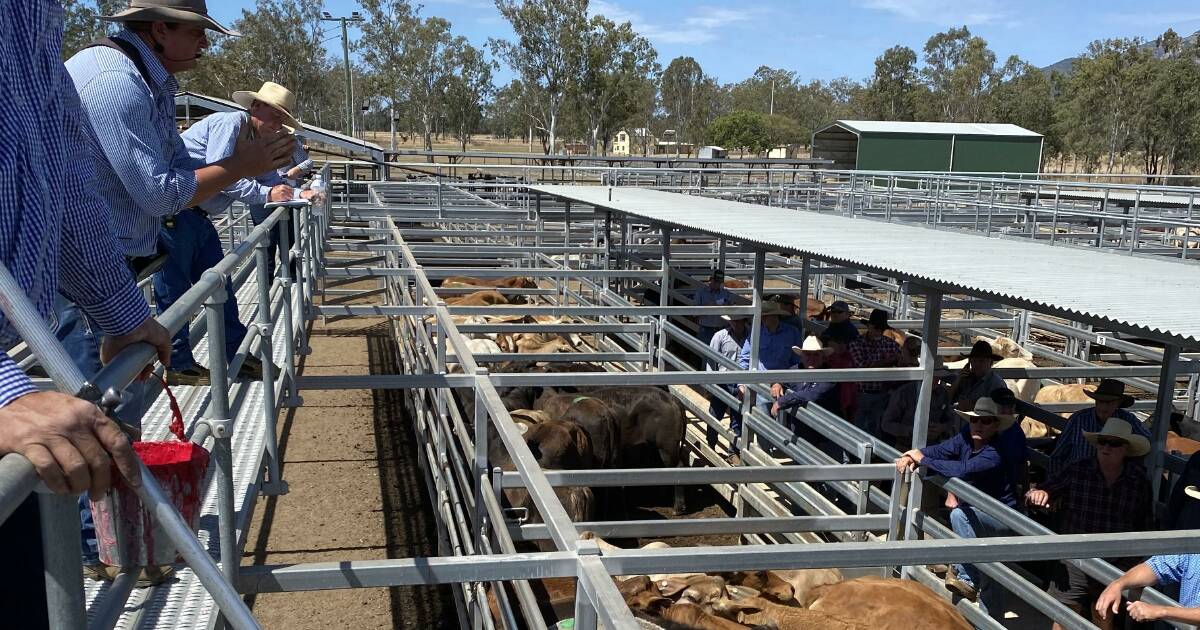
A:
(1149, 297)
(940, 128)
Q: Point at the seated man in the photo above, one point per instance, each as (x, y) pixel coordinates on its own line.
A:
(976, 379)
(712, 294)
(1011, 442)
(812, 355)
(839, 358)
(972, 456)
(1181, 569)
(1181, 512)
(1104, 494)
(789, 306)
(873, 350)
(775, 343)
(897, 421)
(1111, 402)
(727, 342)
(839, 320)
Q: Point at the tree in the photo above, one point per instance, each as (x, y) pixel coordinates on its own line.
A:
(467, 92)
(1099, 99)
(614, 58)
(1024, 96)
(688, 97)
(891, 91)
(548, 52)
(81, 23)
(959, 70)
(281, 42)
(742, 130)
(430, 61)
(383, 46)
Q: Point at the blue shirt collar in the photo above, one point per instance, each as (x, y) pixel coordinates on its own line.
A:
(158, 73)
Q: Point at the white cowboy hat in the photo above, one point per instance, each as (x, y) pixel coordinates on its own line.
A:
(736, 316)
(1120, 429)
(171, 12)
(1192, 491)
(274, 95)
(811, 344)
(986, 407)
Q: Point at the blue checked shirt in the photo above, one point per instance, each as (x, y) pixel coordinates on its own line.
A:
(212, 140)
(1071, 446)
(54, 228)
(142, 167)
(1182, 569)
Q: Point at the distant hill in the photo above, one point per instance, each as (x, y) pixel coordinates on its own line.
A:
(1064, 66)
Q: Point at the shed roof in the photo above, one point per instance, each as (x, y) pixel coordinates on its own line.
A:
(936, 128)
(319, 134)
(1150, 297)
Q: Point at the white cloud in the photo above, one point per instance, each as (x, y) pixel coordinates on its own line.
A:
(701, 26)
(943, 12)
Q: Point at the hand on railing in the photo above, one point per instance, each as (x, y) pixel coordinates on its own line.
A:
(68, 441)
(149, 331)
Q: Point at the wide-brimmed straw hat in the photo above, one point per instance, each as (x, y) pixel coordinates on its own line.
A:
(170, 11)
(1110, 390)
(1122, 430)
(986, 407)
(811, 344)
(1192, 491)
(736, 316)
(271, 94)
(982, 350)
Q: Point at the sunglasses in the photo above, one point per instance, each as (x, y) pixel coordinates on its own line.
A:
(984, 420)
(1111, 442)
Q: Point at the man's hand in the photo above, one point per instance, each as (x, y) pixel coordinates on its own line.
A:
(774, 410)
(68, 441)
(282, 192)
(741, 392)
(313, 196)
(1141, 611)
(1038, 498)
(776, 390)
(255, 156)
(149, 331)
(1109, 600)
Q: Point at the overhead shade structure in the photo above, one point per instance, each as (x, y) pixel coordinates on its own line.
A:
(873, 145)
(190, 107)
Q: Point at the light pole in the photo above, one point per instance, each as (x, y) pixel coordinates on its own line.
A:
(355, 16)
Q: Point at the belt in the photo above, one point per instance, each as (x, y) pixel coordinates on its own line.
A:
(169, 220)
(144, 266)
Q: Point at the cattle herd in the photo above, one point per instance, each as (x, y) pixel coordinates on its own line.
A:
(643, 427)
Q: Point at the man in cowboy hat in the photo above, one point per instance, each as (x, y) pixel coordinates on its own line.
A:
(897, 419)
(972, 456)
(1181, 569)
(127, 86)
(775, 342)
(726, 342)
(839, 319)
(812, 357)
(789, 307)
(713, 293)
(873, 350)
(1106, 493)
(976, 379)
(1111, 402)
(193, 245)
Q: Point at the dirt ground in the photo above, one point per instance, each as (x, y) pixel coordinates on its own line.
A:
(356, 493)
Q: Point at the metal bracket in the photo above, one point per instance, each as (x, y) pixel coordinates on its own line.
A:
(219, 428)
(588, 548)
(516, 516)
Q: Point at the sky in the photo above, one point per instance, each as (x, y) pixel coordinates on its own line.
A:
(826, 39)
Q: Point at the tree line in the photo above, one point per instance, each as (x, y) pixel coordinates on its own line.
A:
(580, 78)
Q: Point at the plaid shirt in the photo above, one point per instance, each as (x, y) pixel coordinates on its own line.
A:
(1091, 506)
(867, 351)
(1071, 446)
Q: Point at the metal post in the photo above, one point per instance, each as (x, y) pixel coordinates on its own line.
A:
(59, 517)
(480, 470)
(760, 260)
(664, 298)
(289, 333)
(1162, 415)
(805, 278)
(349, 89)
(274, 485)
(221, 427)
(229, 213)
(929, 338)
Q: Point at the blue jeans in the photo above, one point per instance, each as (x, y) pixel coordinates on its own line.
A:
(718, 408)
(969, 522)
(192, 248)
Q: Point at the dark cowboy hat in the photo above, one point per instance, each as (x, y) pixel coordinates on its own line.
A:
(878, 319)
(716, 275)
(1110, 390)
(982, 350)
(169, 11)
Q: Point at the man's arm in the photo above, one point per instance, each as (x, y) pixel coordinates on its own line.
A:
(1143, 611)
(250, 156)
(1137, 577)
(220, 144)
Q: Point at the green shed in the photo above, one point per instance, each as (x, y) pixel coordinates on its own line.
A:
(875, 145)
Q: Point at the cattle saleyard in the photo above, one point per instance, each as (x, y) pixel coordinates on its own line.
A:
(547, 359)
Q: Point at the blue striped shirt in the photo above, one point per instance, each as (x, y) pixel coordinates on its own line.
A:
(212, 140)
(142, 169)
(54, 227)
(1181, 569)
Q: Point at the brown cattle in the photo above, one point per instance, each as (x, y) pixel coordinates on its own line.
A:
(887, 604)
(1181, 445)
(1069, 393)
(511, 282)
(896, 335)
(694, 616)
(803, 581)
(734, 283)
(759, 611)
(590, 413)
(478, 298)
(767, 583)
(534, 343)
